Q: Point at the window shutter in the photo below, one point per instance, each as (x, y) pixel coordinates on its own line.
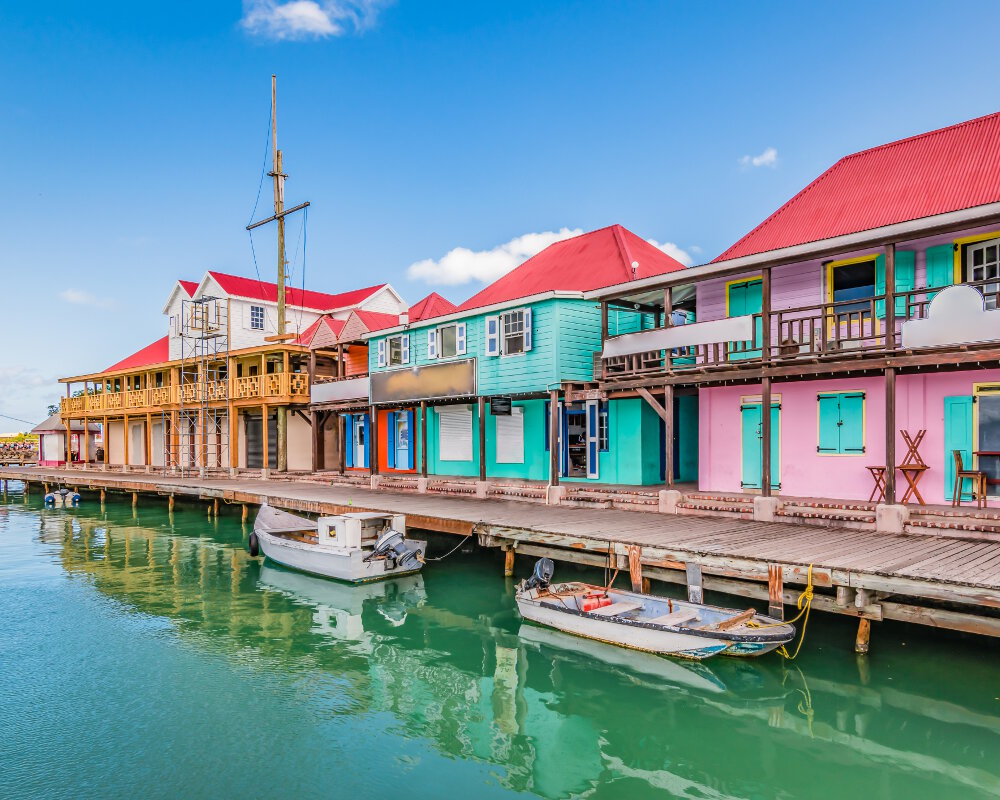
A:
(592, 439)
(852, 423)
(880, 285)
(409, 440)
(527, 329)
(455, 433)
(493, 336)
(510, 437)
(829, 424)
(546, 431)
(432, 348)
(368, 442)
(349, 452)
(460, 339)
(404, 346)
(940, 269)
(957, 436)
(906, 261)
(381, 352)
(390, 439)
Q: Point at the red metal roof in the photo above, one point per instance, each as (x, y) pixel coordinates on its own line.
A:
(589, 261)
(334, 325)
(263, 290)
(944, 170)
(189, 286)
(375, 320)
(155, 353)
(434, 305)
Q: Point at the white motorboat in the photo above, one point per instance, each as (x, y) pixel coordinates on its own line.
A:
(645, 622)
(358, 547)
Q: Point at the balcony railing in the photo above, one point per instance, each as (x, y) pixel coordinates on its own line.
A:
(293, 385)
(824, 331)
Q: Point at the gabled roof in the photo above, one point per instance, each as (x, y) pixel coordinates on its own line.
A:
(434, 305)
(949, 169)
(253, 289)
(155, 353)
(376, 320)
(189, 286)
(324, 331)
(589, 261)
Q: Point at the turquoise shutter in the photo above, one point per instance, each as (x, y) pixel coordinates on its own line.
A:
(957, 436)
(829, 424)
(390, 439)
(852, 422)
(349, 453)
(880, 286)
(409, 440)
(906, 267)
(940, 267)
(752, 463)
(365, 460)
(775, 446)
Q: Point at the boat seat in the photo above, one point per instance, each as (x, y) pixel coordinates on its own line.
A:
(676, 618)
(621, 607)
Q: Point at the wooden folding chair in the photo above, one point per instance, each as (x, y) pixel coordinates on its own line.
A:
(977, 477)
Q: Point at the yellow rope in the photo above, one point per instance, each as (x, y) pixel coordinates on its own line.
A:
(804, 605)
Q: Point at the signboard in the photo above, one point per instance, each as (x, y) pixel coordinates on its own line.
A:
(431, 382)
(500, 406)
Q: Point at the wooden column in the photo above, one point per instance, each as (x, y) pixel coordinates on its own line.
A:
(890, 297)
(266, 460)
(668, 309)
(765, 314)
(125, 458)
(668, 435)
(341, 366)
(319, 439)
(890, 434)
(105, 438)
(69, 431)
(554, 437)
(423, 438)
(234, 437)
(342, 442)
(604, 321)
(765, 437)
(482, 437)
(149, 439)
(285, 389)
(373, 441)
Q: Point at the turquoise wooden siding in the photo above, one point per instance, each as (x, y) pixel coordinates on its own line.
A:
(957, 436)
(940, 267)
(622, 322)
(746, 297)
(905, 266)
(841, 423)
(753, 462)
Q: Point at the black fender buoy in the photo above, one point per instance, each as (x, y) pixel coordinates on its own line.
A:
(254, 545)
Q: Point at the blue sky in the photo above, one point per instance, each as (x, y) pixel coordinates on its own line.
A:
(134, 135)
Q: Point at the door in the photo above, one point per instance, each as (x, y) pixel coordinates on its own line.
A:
(752, 449)
(593, 440)
(743, 298)
(361, 440)
(255, 441)
(400, 450)
(987, 439)
(957, 436)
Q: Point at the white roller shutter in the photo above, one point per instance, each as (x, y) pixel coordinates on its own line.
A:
(455, 433)
(510, 437)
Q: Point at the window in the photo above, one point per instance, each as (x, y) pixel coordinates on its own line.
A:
(257, 318)
(447, 341)
(982, 261)
(510, 437)
(395, 351)
(512, 332)
(841, 423)
(853, 282)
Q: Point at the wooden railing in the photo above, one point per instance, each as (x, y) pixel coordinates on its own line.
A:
(824, 331)
(293, 385)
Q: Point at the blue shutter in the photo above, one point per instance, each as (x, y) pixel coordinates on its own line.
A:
(852, 422)
(460, 339)
(404, 346)
(409, 439)
(390, 437)
(957, 436)
(350, 445)
(381, 352)
(940, 269)
(593, 464)
(432, 350)
(492, 336)
(368, 442)
(527, 329)
(829, 424)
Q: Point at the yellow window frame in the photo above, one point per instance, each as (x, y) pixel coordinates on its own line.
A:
(844, 262)
(959, 243)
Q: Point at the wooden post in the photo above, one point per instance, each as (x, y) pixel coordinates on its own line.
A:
(135, 499)
(266, 463)
(765, 314)
(668, 435)
(246, 513)
(765, 437)
(864, 635)
(890, 435)
(635, 566)
(341, 366)
(482, 437)
(170, 503)
(234, 436)
(554, 437)
(604, 321)
(125, 457)
(423, 438)
(317, 433)
(668, 310)
(283, 412)
(775, 592)
(508, 562)
(373, 441)
(342, 441)
(215, 507)
(149, 439)
(890, 297)
(693, 573)
(102, 497)
(106, 440)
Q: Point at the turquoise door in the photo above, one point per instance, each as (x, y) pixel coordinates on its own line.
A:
(753, 456)
(743, 298)
(957, 436)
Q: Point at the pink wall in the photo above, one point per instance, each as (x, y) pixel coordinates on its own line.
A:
(804, 472)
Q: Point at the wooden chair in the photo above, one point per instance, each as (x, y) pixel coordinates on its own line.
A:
(977, 477)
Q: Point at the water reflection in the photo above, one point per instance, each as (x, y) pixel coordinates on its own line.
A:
(445, 654)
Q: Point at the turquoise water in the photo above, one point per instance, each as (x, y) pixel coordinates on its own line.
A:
(148, 655)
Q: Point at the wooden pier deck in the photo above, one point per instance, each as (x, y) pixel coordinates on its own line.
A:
(937, 580)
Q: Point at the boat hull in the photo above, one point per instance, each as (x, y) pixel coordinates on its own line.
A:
(329, 562)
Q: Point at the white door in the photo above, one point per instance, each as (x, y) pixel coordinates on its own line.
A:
(360, 444)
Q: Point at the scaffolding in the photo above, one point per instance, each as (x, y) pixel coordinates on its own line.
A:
(196, 427)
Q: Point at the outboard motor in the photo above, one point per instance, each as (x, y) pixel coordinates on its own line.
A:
(541, 576)
(391, 544)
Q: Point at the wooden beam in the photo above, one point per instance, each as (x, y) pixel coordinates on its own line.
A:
(765, 314)
(668, 435)
(342, 442)
(423, 438)
(775, 592)
(317, 437)
(373, 441)
(890, 297)
(265, 441)
(890, 436)
(554, 437)
(635, 566)
(604, 322)
(646, 395)
(481, 402)
(765, 437)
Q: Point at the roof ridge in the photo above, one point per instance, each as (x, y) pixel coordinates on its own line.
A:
(623, 249)
(924, 135)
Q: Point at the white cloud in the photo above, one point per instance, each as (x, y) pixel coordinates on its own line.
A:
(673, 251)
(80, 297)
(308, 19)
(462, 265)
(769, 158)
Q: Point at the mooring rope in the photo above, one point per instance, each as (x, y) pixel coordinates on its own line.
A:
(466, 538)
(804, 604)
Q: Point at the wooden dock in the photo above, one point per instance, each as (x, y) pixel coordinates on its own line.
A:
(934, 580)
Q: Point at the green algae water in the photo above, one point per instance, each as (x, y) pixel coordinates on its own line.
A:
(145, 654)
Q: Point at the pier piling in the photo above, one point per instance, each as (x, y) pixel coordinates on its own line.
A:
(864, 634)
(508, 562)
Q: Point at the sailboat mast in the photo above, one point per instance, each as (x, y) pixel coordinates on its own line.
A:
(279, 203)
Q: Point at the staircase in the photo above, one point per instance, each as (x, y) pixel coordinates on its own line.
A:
(704, 504)
(964, 523)
(517, 491)
(858, 515)
(605, 497)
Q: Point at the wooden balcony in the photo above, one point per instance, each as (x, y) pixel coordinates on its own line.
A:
(290, 387)
(825, 332)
